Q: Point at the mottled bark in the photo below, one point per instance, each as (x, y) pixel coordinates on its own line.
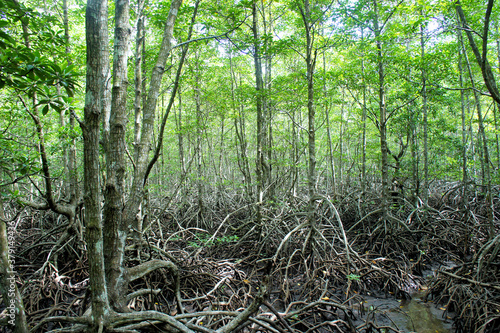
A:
(97, 62)
(138, 84)
(114, 230)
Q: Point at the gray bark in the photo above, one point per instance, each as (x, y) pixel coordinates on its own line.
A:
(96, 81)
(115, 231)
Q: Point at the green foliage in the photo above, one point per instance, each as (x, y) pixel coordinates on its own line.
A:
(31, 65)
(353, 277)
(205, 240)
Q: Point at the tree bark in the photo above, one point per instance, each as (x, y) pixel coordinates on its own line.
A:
(382, 123)
(424, 114)
(137, 188)
(240, 132)
(463, 117)
(96, 81)
(485, 157)
(329, 132)
(261, 121)
(115, 231)
(138, 84)
(121, 215)
(310, 59)
(199, 133)
(363, 122)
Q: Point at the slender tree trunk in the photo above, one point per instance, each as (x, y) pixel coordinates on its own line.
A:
(148, 119)
(199, 134)
(463, 117)
(96, 81)
(115, 231)
(414, 155)
(138, 79)
(424, 113)
(220, 178)
(295, 155)
(240, 132)
(485, 158)
(267, 102)
(341, 146)
(310, 59)
(261, 125)
(329, 132)
(363, 122)
(382, 123)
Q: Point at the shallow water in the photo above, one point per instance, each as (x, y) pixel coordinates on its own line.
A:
(413, 315)
(425, 317)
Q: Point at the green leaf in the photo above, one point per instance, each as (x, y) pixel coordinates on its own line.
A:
(45, 109)
(69, 91)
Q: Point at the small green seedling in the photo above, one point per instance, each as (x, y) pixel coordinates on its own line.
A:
(354, 277)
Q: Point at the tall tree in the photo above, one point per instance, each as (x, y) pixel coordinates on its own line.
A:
(96, 78)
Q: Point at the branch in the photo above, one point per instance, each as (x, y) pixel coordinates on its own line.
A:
(210, 37)
(172, 99)
(56, 207)
(482, 60)
(482, 284)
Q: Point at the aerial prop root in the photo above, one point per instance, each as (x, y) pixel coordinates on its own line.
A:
(130, 322)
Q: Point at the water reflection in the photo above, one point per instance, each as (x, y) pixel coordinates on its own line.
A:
(423, 317)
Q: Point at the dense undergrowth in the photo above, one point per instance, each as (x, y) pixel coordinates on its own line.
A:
(225, 259)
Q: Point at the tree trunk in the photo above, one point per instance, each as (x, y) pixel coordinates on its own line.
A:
(485, 157)
(363, 122)
(139, 52)
(310, 59)
(115, 231)
(240, 132)
(463, 117)
(261, 121)
(96, 80)
(125, 219)
(424, 113)
(382, 123)
(199, 133)
(329, 132)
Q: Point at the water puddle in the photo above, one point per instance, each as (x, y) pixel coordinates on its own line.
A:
(425, 317)
(413, 315)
